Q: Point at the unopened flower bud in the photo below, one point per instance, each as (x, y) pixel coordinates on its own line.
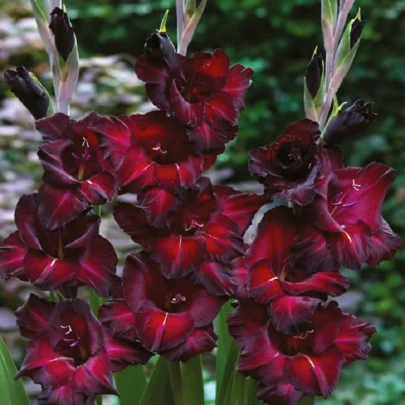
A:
(349, 122)
(63, 32)
(28, 90)
(356, 30)
(313, 74)
(159, 45)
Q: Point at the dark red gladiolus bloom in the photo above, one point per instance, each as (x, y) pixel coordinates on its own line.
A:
(349, 229)
(202, 91)
(151, 150)
(67, 353)
(201, 236)
(172, 317)
(308, 363)
(293, 295)
(76, 174)
(69, 256)
(289, 167)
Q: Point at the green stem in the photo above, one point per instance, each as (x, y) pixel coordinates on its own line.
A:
(175, 380)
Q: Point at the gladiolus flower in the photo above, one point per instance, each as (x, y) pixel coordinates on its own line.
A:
(172, 317)
(76, 174)
(205, 232)
(69, 256)
(69, 352)
(202, 91)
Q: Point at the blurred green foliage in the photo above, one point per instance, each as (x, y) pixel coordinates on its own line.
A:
(276, 39)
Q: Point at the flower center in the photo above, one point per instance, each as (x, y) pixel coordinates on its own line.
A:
(340, 199)
(72, 346)
(82, 156)
(173, 302)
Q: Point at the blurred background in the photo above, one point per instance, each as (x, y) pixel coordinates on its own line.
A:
(276, 39)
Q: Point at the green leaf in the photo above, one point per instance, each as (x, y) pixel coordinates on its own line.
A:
(237, 394)
(224, 343)
(307, 401)
(192, 381)
(175, 381)
(227, 375)
(95, 301)
(131, 384)
(158, 391)
(250, 392)
(12, 392)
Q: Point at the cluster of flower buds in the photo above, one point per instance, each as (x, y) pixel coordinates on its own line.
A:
(194, 257)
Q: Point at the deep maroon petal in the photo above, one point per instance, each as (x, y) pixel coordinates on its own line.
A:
(383, 244)
(54, 127)
(284, 394)
(99, 189)
(220, 111)
(207, 139)
(222, 238)
(12, 253)
(46, 366)
(157, 204)
(355, 194)
(132, 221)
(328, 282)
(238, 206)
(159, 330)
(98, 266)
(119, 319)
(190, 171)
(203, 307)
(311, 251)
(200, 340)
(351, 247)
(188, 113)
(122, 353)
(94, 377)
(216, 278)
(274, 239)
(262, 284)
(352, 339)
(136, 170)
(290, 315)
(261, 360)
(316, 375)
(81, 231)
(27, 221)
(48, 272)
(246, 320)
(58, 206)
(33, 316)
(61, 395)
(237, 84)
(50, 155)
(115, 137)
(178, 255)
